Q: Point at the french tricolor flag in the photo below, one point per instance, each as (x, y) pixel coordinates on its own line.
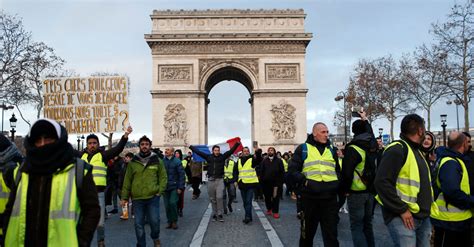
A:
(225, 146)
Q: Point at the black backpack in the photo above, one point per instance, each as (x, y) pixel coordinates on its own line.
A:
(370, 168)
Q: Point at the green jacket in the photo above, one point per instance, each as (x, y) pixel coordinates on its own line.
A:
(143, 181)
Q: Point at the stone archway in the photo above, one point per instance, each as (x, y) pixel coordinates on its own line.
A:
(264, 50)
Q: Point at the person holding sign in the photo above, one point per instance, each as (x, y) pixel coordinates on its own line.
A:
(98, 157)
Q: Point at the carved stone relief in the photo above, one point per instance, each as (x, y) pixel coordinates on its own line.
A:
(283, 121)
(175, 123)
(231, 47)
(284, 73)
(249, 63)
(175, 73)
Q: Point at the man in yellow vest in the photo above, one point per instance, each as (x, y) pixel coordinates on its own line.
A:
(247, 179)
(10, 159)
(403, 186)
(360, 200)
(98, 158)
(452, 223)
(55, 203)
(315, 170)
(230, 177)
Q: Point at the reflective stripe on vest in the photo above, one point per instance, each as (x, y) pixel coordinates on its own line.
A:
(64, 211)
(408, 181)
(317, 167)
(247, 174)
(357, 184)
(448, 212)
(99, 169)
(229, 170)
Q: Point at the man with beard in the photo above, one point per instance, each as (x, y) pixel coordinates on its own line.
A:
(403, 186)
(97, 157)
(145, 180)
(315, 169)
(247, 179)
(55, 203)
(272, 175)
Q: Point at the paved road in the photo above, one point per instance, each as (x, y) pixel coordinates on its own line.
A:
(261, 232)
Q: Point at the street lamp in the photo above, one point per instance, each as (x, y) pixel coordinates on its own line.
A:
(13, 126)
(5, 107)
(380, 132)
(82, 143)
(342, 96)
(457, 102)
(443, 125)
(78, 142)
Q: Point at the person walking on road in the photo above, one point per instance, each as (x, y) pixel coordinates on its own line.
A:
(215, 173)
(230, 178)
(97, 157)
(272, 176)
(174, 187)
(315, 169)
(145, 181)
(247, 179)
(403, 186)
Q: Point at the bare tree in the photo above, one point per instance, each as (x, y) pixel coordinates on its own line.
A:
(427, 74)
(456, 39)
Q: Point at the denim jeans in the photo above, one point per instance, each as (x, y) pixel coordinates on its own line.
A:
(361, 214)
(247, 197)
(100, 226)
(229, 189)
(403, 237)
(151, 209)
(170, 199)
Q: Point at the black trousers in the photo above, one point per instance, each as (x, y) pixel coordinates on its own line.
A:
(446, 238)
(272, 202)
(315, 211)
(195, 182)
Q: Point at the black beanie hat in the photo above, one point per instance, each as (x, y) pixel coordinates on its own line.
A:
(358, 127)
(4, 143)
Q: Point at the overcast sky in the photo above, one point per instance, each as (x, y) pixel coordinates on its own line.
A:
(109, 36)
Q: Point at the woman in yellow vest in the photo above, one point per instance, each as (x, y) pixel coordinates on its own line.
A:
(49, 209)
(247, 179)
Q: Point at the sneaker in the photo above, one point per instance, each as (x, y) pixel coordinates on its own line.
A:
(276, 215)
(214, 218)
(269, 212)
(246, 221)
(123, 217)
(221, 219)
(345, 211)
(114, 211)
(230, 208)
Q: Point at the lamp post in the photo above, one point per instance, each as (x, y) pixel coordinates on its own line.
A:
(342, 96)
(13, 126)
(443, 125)
(457, 102)
(380, 132)
(78, 142)
(82, 143)
(5, 107)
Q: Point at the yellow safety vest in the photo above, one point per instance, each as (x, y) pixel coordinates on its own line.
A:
(4, 194)
(247, 174)
(185, 163)
(99, 169)
(320, 168)
(357, 184)
(229, 170)
(448, 212)
(285, 164)
(64, 211)
(408, 181)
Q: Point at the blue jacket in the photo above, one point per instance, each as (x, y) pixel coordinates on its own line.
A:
(450, 176)
(175, 173)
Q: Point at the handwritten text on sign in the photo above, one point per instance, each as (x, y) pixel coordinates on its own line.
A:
(87, 105)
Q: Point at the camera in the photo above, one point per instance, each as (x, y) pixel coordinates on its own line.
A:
(356, 110)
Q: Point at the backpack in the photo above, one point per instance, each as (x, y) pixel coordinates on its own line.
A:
(370, 168)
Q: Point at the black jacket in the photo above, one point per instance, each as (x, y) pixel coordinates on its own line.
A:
(215, 164)
(272, 171)
(313, 189)
(256, 160)
(392, 162)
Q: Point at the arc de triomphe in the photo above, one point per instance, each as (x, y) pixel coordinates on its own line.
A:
(194, 50)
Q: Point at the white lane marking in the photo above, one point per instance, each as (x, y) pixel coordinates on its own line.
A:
(271, 233)
(199, 234)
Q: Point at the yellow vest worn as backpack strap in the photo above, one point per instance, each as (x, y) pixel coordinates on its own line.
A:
(317, 167)
(99, 169)
(64, 210)
(247, 174)
(448, 212)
